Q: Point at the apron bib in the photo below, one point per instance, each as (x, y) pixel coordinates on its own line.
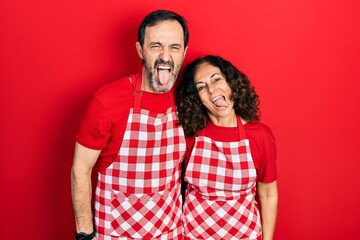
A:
(139, 195)
(221, 180)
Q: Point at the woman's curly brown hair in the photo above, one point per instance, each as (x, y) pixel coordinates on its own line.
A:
(193, 114)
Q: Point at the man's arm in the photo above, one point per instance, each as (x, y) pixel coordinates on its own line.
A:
(268, 196)
(81, 189)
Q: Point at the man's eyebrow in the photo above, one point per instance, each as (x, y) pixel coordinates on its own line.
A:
(172, 45)
(155, 43)
(176, 44)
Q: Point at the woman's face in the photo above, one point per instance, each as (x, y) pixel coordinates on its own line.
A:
(214, 92)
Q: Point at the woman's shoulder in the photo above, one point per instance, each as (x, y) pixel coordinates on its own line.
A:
(258, 130)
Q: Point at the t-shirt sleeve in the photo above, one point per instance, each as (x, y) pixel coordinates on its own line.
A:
(95, 126)
(267, 156)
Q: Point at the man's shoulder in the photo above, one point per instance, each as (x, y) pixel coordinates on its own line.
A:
(115, 89)
(122, 85)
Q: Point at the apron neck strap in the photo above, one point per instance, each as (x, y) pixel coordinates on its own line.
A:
(171, 98)
(240, 128)
(136, 80)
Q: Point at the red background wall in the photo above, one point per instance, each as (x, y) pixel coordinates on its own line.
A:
(302, 56)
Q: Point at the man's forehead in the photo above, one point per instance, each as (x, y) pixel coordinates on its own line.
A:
(167, 32)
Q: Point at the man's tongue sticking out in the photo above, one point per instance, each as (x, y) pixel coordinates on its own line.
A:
(164, 75)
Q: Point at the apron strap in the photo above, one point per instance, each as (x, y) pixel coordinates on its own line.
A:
(171, 98)
(136, 82)
(240, 128)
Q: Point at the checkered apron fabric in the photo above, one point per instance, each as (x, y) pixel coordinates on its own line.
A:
(221, 180)
(139, 194)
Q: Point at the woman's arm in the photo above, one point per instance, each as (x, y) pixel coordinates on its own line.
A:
(268, 197)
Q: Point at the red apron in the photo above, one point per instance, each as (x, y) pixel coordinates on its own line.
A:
(139, 196)
(222, 180)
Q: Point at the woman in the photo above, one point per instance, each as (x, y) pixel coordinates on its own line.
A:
(230, 155)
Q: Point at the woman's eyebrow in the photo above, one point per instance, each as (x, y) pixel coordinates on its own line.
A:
(212, 75)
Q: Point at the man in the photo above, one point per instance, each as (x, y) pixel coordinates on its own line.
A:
(131, 127)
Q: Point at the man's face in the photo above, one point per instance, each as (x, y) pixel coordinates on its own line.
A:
(163, 53)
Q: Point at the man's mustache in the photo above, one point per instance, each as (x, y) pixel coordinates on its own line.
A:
(160, 61)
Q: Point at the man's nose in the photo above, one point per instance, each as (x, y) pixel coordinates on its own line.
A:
(165, 54)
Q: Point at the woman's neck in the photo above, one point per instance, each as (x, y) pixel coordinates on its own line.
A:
(228, 121)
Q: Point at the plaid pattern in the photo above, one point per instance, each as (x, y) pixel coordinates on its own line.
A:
(174, 235)
(138, 196)
(218, 203)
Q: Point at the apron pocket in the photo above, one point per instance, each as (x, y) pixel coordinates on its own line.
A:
(143, 215)
(204, 218)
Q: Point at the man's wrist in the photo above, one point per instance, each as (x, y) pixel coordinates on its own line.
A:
(85, 236)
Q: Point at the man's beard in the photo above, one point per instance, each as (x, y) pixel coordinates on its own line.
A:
(154, 83)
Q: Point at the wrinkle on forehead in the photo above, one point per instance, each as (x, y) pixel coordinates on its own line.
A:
(166, 32)
(206, 71)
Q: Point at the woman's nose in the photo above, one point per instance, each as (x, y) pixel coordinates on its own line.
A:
(211, 88)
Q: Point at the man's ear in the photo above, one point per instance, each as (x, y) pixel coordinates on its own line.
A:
(139, 50)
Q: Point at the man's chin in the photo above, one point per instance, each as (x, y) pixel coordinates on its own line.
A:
(158, 87)
(162, 88)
